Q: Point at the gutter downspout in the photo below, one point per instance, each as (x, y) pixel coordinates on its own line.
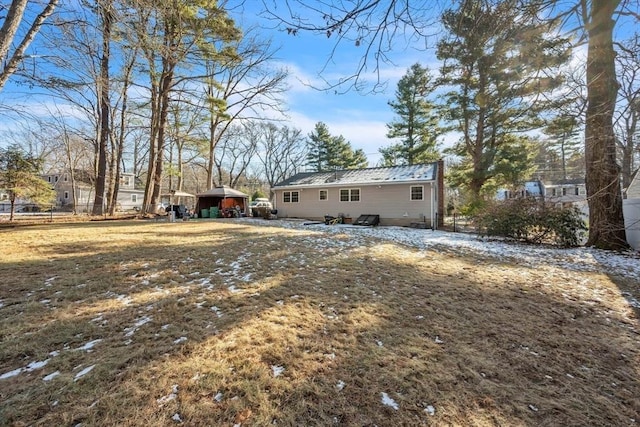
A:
(433, 224)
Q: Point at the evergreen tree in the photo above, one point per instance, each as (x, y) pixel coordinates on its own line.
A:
(328, 152)
(417, 123)
(563, 138)
(19, 177)
(498, 59)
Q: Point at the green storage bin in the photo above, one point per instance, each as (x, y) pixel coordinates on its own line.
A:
(204, 213)
(214, 212)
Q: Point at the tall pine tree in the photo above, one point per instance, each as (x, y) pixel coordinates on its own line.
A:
(498, 60)
(416, 125)
(328, 152)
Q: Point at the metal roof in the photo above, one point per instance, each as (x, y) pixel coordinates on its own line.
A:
(386, 175)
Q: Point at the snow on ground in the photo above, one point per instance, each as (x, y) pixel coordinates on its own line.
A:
(576, 259)
(388, 401)
(235, 276)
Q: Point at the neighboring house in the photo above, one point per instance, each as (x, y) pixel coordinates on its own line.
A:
(5, 203)
(631, 208)
(528, 189)
(128, 197)
(633, 190)
(400, 195)
(568, 192)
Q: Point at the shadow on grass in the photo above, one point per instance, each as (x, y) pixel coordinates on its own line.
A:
(346, 325)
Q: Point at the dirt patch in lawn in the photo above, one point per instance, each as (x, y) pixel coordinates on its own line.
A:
(232, 322)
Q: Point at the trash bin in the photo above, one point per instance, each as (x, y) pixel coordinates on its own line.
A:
(214, 212)
(204, 213)
(172, 216)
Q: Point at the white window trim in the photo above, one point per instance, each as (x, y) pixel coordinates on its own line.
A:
(290, 196)
(411, 187)
(350, 198)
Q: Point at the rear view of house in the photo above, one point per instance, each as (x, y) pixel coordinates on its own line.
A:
(400, 195)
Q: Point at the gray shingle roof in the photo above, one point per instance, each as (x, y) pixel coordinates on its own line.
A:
(417, 173)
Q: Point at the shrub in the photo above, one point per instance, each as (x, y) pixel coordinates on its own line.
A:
(531, 220)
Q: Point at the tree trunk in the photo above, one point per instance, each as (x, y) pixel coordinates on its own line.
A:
(105, 126)
(10, 25)
(606, 222)
(166, 83)
(9, 29)
(147, 206)
(628, 149)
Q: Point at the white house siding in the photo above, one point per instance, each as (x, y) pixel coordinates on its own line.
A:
(631, 208)
(633, 192)
(391, 201)
(125, 199)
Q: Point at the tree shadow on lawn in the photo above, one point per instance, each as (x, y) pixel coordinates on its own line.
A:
(627, 282)
(345, 329)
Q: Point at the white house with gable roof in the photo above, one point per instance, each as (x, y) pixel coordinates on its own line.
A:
(400, 195)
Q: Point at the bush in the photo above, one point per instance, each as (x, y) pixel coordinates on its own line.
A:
(531, 220)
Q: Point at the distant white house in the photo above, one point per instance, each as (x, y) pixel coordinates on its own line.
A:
(568, 192)
(129, 197)
(633, 190)
(631, 208)
(528, 189)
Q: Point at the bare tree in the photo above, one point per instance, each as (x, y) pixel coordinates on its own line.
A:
(120, 127)
(186, 119)
(172, 36)
(13, 20)
(106, 16)
(281, 151)
(240, 90)
(74, 151)
(380, 28)
(236, 149)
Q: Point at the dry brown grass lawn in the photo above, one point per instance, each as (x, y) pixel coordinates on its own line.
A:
(222, 323)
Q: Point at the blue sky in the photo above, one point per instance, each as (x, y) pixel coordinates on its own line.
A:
(361, 117)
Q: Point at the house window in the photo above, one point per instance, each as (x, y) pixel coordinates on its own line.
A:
(583, 191)
(4, 197)
(291, 196)
(126, 180)
(554, 192)
(56, 178)
(564, 191)
(577, 191)
(417, 192)
(49, 179)
(65, 178)
(66, 195)
(324, 195)
(134, 198)
(349, 194)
